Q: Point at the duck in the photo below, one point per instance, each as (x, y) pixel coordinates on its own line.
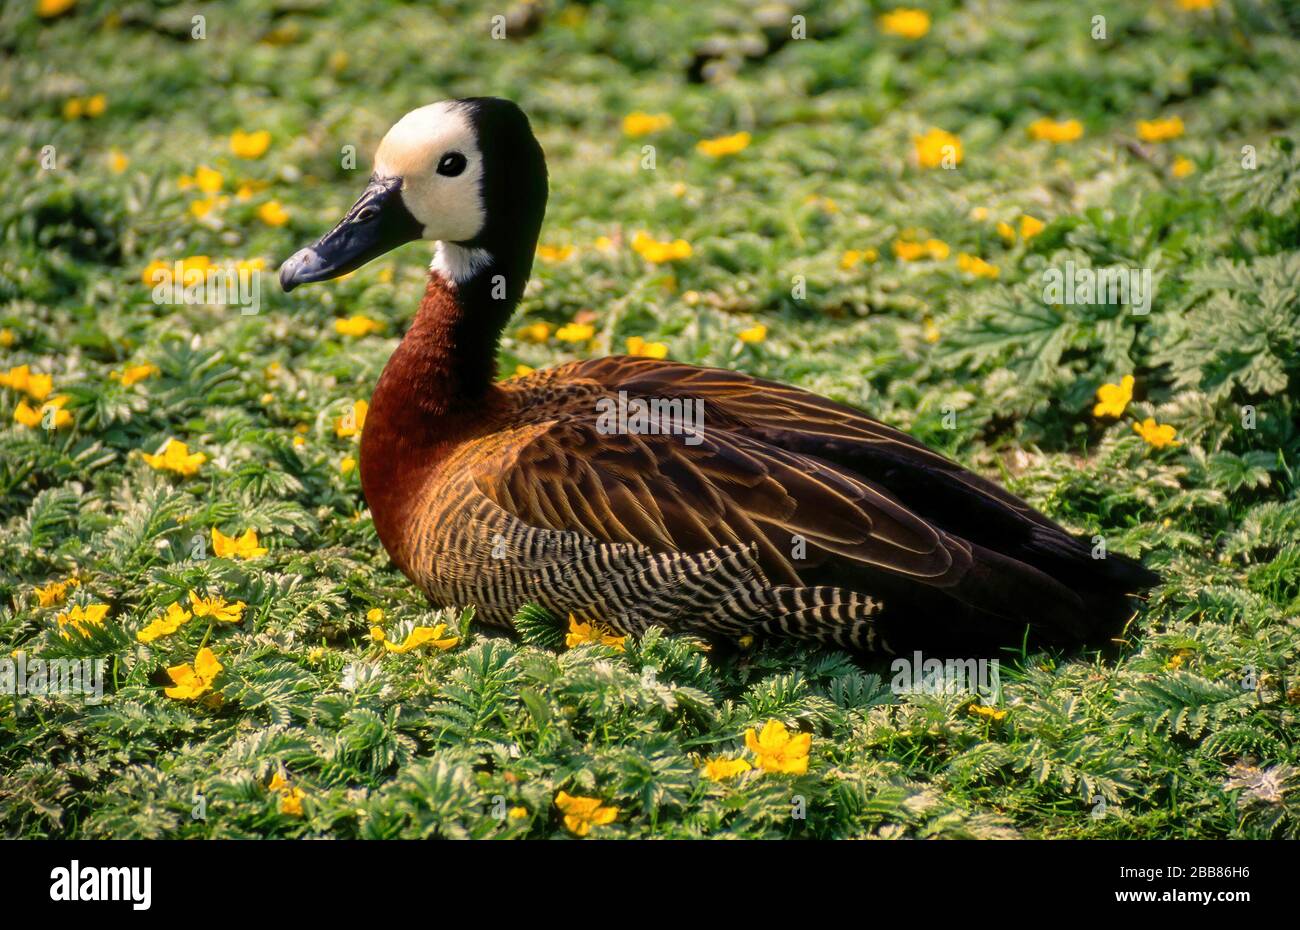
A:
(773, 513)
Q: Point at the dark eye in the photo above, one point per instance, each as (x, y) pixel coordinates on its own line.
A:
(451, 164)
(367, 212)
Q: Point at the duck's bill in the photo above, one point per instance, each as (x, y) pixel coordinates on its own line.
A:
(377, 223)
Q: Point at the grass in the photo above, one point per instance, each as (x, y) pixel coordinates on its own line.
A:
(1189, 730)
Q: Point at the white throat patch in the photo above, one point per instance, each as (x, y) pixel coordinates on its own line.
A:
(458, 264)
(448, 208)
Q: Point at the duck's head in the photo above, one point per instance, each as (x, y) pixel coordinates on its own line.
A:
(468, 174)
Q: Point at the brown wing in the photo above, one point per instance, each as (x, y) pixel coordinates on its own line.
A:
(730, 488)
(798, 420)
(875, 508)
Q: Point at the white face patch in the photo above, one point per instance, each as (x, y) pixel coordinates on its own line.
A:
(449, 208)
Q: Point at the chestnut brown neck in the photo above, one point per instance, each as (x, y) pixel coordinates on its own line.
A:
(437, 391)
(447, 360)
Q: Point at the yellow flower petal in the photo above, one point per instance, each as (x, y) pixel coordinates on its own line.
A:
(357, 325)
(937, 148)
(1049, 130)
(176, 456)
(250, 144)
(1158, 435)
(575, 332)
(1160, 130)
(642, 124)
(1112, 399)
(724, 145)
(637, 346)
(905, 23)
(721, 768)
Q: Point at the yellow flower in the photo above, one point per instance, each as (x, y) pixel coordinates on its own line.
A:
(777, 750)
(375, 615)
(937, 147)
(1160, 130)
(176, 456)
(1006, 231)
(37, 387)
(642, 124)
(657, 252)
(195, 263)
(1158, 435)
(907, 24)
(517, 813)
(133, 374)
(603, 244)
(555, 253)
(639, 347)
(201, 208)
(1196, 4)
(54, 593)
(175, 617)
(1030, 227)
(250, 144)
(96, 105)
(853, 257)
(218, 608)
(723, 145)
(581, 814)
(906, 251)
(73, 108)
(1050, 130)
(346, 464)
(988, 713)
(973, 265)
(722, 768)
(425, 636)
(346, 426)
(35, 418)
(357, 325)
(117, 162)
(929, 331)
(242, 547)
(1183, 167)
(191, 681)
(535, 332)
(580, 633)
(377, 634)
(1177, 659)
(291, 801)
(979, 214)
(522, 370)
(156, 272)
(208, 180)
(272, 213)
(575, 332)
(80, 618)
(48, 9)
(1113, 398)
